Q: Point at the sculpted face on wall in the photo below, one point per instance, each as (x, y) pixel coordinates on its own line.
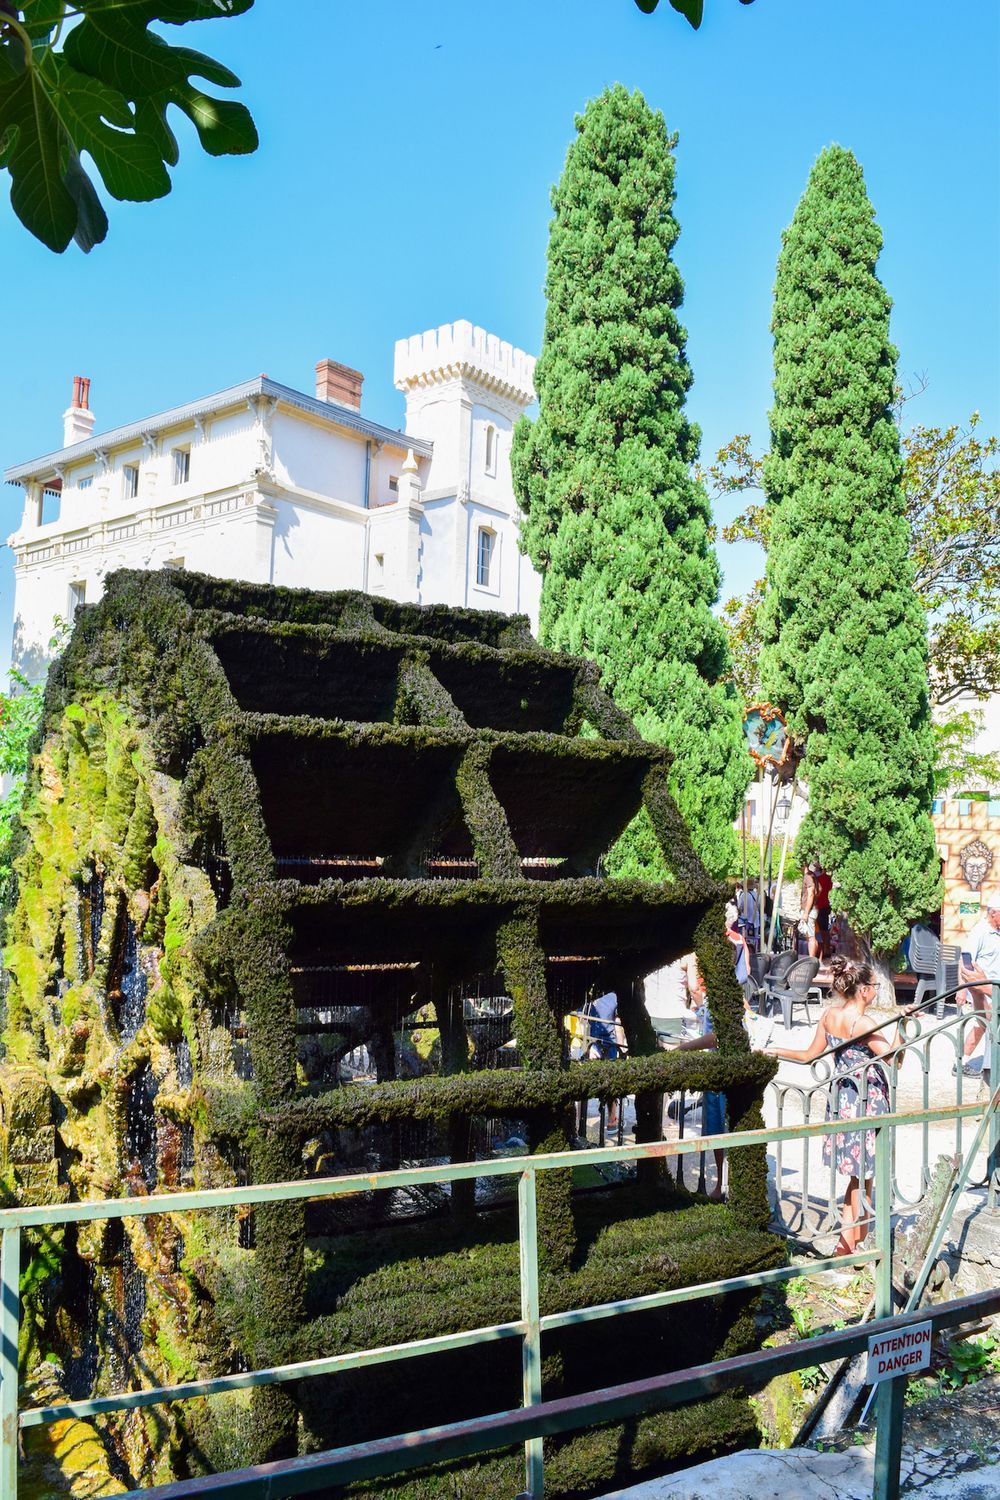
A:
(976, 860)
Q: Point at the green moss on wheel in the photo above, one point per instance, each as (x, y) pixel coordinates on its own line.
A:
(180, 1003)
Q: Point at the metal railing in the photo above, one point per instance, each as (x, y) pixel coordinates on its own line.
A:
(921, 1033)
(529, 1328)
(375, 1460)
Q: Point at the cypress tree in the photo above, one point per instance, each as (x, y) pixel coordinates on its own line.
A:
(845, 634)
(613, 516)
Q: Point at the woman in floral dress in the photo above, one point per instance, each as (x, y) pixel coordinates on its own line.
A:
(857, 1049)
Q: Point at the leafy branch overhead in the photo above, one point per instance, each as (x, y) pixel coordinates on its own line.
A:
(91, 76)
(692, 9)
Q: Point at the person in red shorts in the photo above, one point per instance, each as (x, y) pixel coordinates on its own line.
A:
(816, 887)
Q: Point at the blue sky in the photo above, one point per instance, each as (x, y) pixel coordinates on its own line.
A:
(403, 180)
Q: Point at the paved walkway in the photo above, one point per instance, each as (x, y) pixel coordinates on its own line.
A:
(951, 1451)
(801, 1474)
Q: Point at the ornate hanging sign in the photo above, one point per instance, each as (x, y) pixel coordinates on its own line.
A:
(766, 735)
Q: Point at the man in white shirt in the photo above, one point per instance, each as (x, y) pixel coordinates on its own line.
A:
(983, 949)
(746, 908)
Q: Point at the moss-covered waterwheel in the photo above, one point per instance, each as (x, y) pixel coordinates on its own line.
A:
(307, 883)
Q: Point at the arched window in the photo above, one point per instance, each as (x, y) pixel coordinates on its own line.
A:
(484, 556)
(491, 449)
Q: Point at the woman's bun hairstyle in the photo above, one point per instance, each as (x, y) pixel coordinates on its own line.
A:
(849, 974)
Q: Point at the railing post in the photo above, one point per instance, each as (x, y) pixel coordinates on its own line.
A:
(883, 1222)
(889, 1401)
(10, 1319)
(531, 1344)
(993, 1158)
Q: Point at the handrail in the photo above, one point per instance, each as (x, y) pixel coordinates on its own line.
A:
(529, 1327)
(919, 1036)
(386, 1456)
(904, 1014)
(196, 1199)
(944, 1220)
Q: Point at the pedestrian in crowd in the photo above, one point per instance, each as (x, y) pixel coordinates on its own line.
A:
(816, 887)
(741, 953)
(857, 1050)
(607, 1036)
(713, 1106)
(738, 938)
(980, 969)
(690, 978)
(667, 992)
(747, 913)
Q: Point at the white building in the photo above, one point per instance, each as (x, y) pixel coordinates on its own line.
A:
(769, 806)
(264, 483)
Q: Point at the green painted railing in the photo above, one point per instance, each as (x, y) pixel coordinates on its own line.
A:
(826, 1077)
(343, 1467)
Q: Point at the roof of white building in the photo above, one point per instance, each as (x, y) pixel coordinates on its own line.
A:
(332, 412)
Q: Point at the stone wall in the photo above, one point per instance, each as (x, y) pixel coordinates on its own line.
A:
(959, 823)
(972, 1250)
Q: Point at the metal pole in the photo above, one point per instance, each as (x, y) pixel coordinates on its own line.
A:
(883, 1221)
(760, 857)
(769, 846)
(993, 1159)
(781, 864)
(889, 1402)
(10, 1318)
(888, 1438)
(531, 1347)
(744, 860)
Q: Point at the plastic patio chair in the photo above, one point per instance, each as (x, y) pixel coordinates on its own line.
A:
(780, 965)
(766, 968)
(925, 954)
(936, 966)
(947, 977)
(794, 986)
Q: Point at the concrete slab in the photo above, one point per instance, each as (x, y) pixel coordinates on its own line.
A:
(801, 1474)
(951, 1451)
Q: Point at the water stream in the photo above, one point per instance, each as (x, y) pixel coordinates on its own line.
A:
(185, 1068)
(130, 1003)
(91, 916)
(140, 1126)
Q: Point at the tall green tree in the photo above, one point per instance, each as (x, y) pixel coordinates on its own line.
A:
(613, 517)
(951, 481)
(845, 634)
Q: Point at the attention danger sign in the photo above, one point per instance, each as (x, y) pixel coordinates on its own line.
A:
(892, 1354)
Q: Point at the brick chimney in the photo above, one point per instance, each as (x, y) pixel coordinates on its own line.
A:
(78, 419)
(336, 382)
